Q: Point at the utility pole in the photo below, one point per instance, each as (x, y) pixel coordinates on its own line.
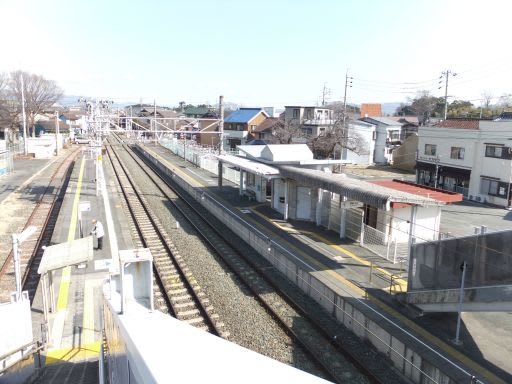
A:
(437, 172)
(325, 92)
(446, 74)
(154, 119)
(57, 133)
(221, 123)
(348, 83)
(25, 142)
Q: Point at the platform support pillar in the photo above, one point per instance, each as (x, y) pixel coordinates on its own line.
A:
(319, 206)
(219, 181)
(52, 294)
(412, 227)
(241, 181)
(286, 199)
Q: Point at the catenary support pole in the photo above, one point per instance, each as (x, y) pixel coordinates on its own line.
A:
(221, 123)
(23, 115)
(461, 300)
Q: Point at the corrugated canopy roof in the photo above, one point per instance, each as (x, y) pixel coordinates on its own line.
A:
(360, 190)
(69, 253)
(250, 165)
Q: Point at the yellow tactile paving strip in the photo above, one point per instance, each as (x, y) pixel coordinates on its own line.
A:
(89, 348)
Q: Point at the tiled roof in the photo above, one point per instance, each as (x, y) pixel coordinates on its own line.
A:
(459, 123)
(405, 119)
(196, 111)
(243, 115)
(420, 190)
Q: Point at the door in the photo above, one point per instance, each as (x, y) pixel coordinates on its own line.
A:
(303, 203)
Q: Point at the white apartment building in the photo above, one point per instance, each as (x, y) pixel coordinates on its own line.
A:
(468, 156)
(387, 138)
(313, 120)
(365, 134)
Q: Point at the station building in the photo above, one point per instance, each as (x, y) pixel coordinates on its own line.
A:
(303, 188)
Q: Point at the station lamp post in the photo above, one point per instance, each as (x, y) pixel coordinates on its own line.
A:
(17, 240)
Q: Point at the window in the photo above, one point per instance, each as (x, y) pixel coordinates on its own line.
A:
(251, 180)
(493, 187)
(498, 152)
(374, 135)
(457, 153)
(295, 113)
(239, 127)
(394, 135)
(307, 131)
(253, 127)
(430, 149)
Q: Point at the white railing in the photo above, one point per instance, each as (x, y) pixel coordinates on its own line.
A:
(383, 245)
(201, 156)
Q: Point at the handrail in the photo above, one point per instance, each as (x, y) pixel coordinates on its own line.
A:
(39, 347)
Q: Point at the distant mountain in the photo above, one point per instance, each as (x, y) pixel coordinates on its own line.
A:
(389, 108)
(68, 100)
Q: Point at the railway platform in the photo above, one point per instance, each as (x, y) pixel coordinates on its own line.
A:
(353, 271)
(74, 332)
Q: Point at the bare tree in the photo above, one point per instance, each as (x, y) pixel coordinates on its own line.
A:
(289, 130)
(486, 98)
(338, 135)
(505, 101)
(40, 94)
(9, 115)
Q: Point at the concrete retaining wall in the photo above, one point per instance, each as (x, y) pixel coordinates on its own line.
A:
(361, 320)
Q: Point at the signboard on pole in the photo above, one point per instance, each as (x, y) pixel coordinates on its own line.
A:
(84, 206)
(351, 204)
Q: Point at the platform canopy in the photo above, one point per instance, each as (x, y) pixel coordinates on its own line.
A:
(65, 254)
(375, 195)
(251, 166)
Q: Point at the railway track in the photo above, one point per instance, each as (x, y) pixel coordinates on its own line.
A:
(44, 218)
(319, 344)
(183, 296)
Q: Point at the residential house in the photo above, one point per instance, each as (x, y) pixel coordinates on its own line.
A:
(410, 125)
(199, 112)
(473, 157)
(74, 120)
(207, 132)
(265, 131)
(240, 124)
(387, 137)
(313, 120)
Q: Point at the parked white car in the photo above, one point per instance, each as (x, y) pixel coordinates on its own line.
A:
(82, 140)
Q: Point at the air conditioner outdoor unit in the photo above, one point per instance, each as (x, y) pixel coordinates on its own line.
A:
(478, 198)
(470, 197)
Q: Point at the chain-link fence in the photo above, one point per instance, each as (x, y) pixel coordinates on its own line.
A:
(7, 159)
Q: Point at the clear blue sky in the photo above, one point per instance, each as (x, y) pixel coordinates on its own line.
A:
(259, 52)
